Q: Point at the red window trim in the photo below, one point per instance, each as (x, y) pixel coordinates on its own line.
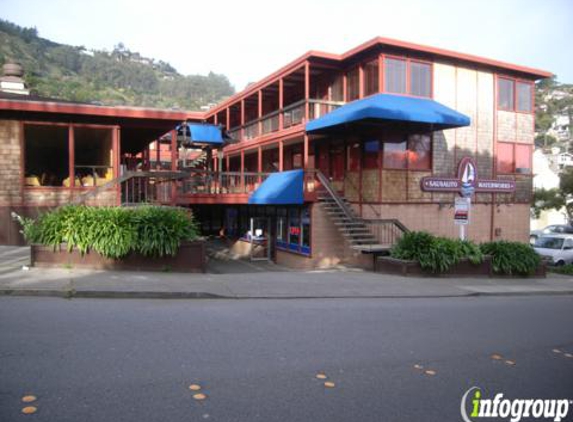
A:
(408, 61)
(381, 58)
(513, 159)
(71, 127)
(407, 168)
(515, 81)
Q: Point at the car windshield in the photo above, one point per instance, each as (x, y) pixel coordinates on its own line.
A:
(549, 242)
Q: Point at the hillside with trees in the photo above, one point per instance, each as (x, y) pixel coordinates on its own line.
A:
(119, 77)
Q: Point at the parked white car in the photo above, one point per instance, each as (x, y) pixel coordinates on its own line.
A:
(557, 247)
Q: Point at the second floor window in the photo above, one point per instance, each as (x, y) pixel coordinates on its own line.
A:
(395, 76)
(403, 76)
(420, 79)
(514, 95)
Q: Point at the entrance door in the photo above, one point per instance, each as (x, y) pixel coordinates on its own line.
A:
(260, 238)
(337, 154)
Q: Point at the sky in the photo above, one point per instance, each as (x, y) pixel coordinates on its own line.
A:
(247, 40)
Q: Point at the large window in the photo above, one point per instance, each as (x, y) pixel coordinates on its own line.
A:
(419, 152)
(505, 94)
(395, 155)
(353, 157)
(513, 158)
(46, 155)
(371, 77)
(293, 229)
(395, 76)
(420, 79)
(513, 95)
(93, 156)
(412, 152)
(524, 96)
(402, 76)
(371, 151)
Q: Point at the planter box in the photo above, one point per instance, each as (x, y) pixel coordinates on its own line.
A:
(190, 258)
(464, 268)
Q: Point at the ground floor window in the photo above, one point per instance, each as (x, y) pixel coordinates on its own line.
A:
(47, 160)
(46, 152)
(290, 225)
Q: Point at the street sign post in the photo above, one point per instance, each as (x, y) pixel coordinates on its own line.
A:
(462, 215)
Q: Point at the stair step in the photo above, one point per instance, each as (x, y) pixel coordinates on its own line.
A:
(372, 248)
(354, 229)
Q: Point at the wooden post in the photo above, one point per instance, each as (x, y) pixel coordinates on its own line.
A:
(157, 155)
(242, 170)
(281, 155)
(260, 162)
(71, 158)
(281, 104)
(115, 137)
(380, 73)
(260, 112)
(174, 159)
(228, 115)
(361, 81)
(305, 153)
(306, 91)
(344, 86)
(242, 120)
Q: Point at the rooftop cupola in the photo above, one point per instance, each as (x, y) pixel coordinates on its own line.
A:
(12, 80)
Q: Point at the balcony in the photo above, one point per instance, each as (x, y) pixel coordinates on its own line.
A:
(292, 116)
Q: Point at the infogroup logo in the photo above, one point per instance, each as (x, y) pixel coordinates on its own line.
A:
(513, 409)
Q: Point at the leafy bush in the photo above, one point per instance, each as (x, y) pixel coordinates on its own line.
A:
(435, 254)
(511, 258)
(564, 269)
(113, 232)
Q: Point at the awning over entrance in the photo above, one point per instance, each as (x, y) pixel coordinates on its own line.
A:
(283, 188)
(388, 107)
(201, 133)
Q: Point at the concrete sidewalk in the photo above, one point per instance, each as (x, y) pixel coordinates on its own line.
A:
(264, 284)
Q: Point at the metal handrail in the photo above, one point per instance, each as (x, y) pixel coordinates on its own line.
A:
(333, 194)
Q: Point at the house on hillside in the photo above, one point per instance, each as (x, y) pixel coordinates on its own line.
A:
(545, 177)
(332, 157)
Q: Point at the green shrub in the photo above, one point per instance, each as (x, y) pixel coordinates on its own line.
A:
(160, 230)
(435, 254)
(113, 232)
(564, 269)
(511, 258)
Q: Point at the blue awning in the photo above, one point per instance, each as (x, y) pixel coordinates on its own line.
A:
(390, 107)
(283, 188)
(202, 133)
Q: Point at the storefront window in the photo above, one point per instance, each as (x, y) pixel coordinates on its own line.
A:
(395, 155)
(305, 227)
(294, 229)
(419, 152)
(371, 149)
(354, 157)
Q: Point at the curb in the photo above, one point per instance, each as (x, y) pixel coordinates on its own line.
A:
(108, 294)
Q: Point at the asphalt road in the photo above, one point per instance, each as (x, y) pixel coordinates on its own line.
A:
(256, 360)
